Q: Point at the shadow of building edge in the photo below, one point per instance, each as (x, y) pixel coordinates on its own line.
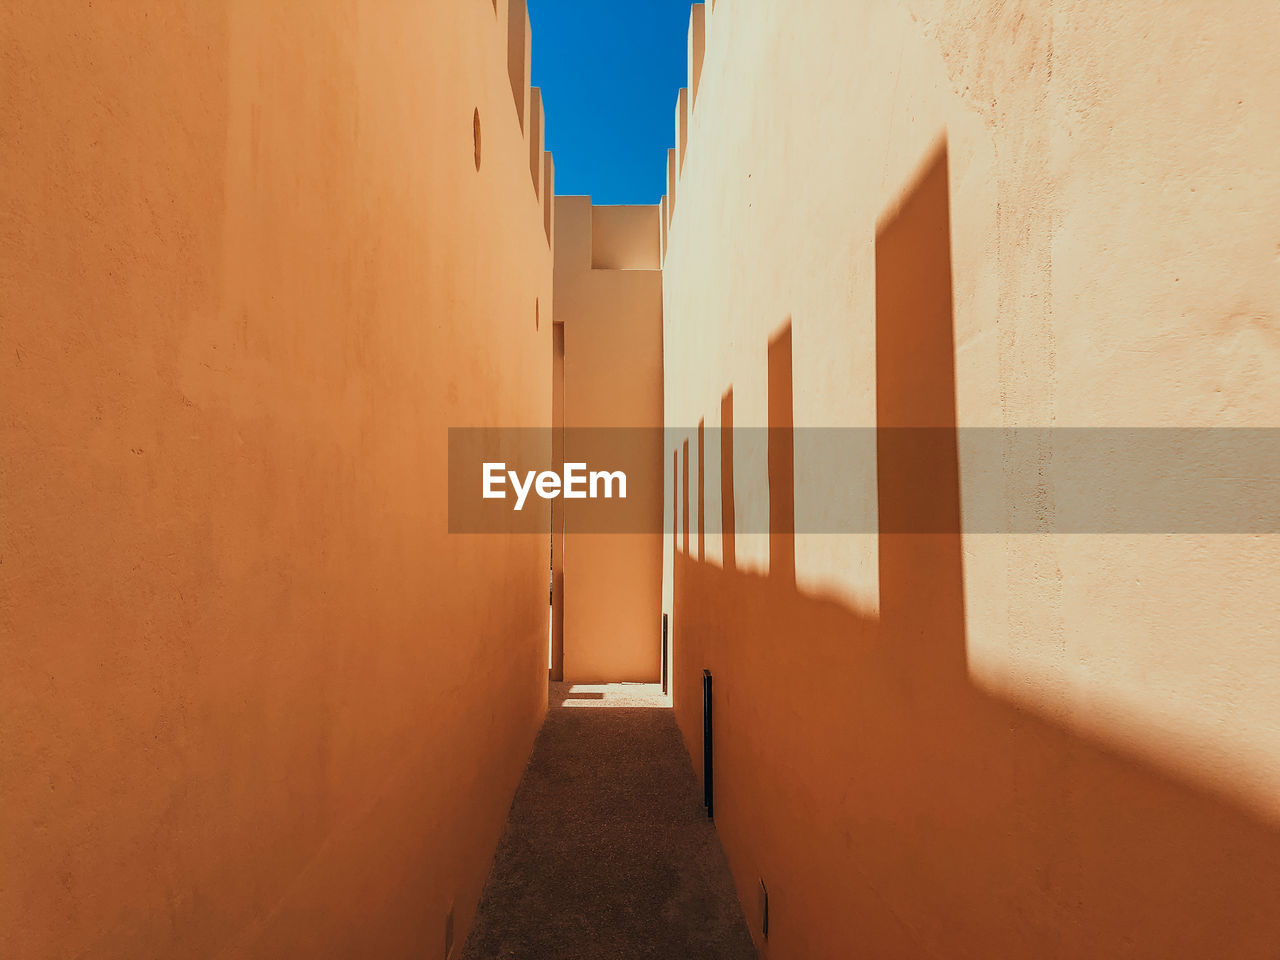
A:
(728, 522)
(863, 775)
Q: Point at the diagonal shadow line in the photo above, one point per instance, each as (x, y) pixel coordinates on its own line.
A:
(899, 809)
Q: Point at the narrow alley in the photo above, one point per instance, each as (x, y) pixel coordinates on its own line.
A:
(608, 851)
(448, 445)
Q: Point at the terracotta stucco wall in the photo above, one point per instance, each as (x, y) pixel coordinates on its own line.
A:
(944, 214)
(612, 320)
(254, 700)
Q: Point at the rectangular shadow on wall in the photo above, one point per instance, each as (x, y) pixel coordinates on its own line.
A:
(918, 475)
(782, 513)
(727, 519)
(684, 502)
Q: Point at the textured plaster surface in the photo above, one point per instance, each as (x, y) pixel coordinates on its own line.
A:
(254, 700)
(1047, 745)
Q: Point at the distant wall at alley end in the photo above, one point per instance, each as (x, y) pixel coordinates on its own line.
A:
(608, 288)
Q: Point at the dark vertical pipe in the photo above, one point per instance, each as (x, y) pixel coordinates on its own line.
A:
(664, 654)
(708, 784)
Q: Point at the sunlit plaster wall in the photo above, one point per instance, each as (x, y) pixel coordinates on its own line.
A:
(1075, 756)
(609, 298)
(255, 701)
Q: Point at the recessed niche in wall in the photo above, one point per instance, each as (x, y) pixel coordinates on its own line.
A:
(475, 123)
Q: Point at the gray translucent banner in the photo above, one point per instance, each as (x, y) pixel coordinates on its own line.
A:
(869, 480)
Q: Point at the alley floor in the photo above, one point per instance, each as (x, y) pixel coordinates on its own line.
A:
(608, 853)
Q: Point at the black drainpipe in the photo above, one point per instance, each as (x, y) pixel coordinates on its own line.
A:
(708, 783)
(664, 654)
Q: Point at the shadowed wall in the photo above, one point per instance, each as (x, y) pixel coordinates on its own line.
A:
(254, 700)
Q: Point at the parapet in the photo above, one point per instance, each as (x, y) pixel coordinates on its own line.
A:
(519, 55)
(682, 126)
(626, 238)
(697, 48)
(607, 237)
(514, 24)
(686, 101)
